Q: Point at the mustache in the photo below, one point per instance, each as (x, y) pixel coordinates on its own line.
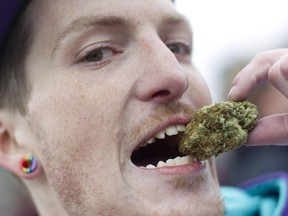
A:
(167, 110)
(157, 115)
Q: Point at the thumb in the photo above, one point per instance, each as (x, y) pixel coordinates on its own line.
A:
(271, 130)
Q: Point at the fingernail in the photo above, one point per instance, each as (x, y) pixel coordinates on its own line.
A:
(231, 92)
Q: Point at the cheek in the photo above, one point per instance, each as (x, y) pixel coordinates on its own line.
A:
(69, 125)
(71, 140)
(199, 91)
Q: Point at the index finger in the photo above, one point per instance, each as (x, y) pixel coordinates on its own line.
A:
(254, 74)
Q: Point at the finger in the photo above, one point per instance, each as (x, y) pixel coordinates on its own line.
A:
(254, 74)
(271, 130)
(278, 75)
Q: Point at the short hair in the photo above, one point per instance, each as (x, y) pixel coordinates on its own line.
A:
(13, 82)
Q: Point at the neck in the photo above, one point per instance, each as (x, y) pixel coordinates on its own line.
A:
(44, 199)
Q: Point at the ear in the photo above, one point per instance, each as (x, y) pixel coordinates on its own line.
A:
(13, 148)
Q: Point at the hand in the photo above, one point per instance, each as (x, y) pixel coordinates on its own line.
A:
(269, 66)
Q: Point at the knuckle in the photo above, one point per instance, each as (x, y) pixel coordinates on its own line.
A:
(278, 72)
(285, 123)
(283, 71)
(263, 58)
(283, 66)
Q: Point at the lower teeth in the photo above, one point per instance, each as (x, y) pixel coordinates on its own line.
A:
(173, 162)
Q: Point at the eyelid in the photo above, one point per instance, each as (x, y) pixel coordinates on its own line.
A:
(185, 44)
(115, 47)
(97, 46)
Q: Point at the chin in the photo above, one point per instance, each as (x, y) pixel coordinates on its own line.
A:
(188, 189)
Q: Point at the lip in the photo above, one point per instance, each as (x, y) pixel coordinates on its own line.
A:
(188, 169)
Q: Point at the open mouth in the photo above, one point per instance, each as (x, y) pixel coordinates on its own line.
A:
(161, 150)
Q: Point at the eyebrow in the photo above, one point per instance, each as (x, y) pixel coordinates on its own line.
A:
(82, 23)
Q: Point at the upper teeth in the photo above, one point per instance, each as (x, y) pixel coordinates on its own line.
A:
(169, 131)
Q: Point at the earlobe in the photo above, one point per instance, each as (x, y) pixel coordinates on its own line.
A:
(25, 167)
(29, 167)
(14, 157)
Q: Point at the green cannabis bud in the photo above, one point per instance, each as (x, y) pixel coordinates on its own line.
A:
(218, 128)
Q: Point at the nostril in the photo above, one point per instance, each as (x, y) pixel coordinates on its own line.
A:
(161, 93)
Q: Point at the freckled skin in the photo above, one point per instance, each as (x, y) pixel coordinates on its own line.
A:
(84, 119)
(218, 128)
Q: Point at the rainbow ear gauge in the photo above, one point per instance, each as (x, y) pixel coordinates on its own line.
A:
(28, 164)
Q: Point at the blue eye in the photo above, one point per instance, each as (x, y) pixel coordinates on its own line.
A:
(99, 55)
(174, 48)
(179, 48)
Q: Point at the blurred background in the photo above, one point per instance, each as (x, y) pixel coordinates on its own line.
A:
(227, 34)
(226, 31)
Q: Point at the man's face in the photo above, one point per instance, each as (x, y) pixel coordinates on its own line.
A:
(107, 77)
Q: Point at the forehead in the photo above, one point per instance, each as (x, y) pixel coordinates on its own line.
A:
(62, 12)
(54, 18)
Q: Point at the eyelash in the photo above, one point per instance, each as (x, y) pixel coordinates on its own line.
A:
(185, 48)
(104, 58)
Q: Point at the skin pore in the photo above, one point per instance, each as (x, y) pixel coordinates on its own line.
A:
(106, 76)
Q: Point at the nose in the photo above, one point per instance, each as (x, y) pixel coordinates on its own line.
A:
(162, 77)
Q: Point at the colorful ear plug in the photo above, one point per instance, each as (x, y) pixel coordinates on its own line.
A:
(28, 164)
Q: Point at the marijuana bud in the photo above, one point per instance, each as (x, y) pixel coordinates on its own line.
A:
(218, 128)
